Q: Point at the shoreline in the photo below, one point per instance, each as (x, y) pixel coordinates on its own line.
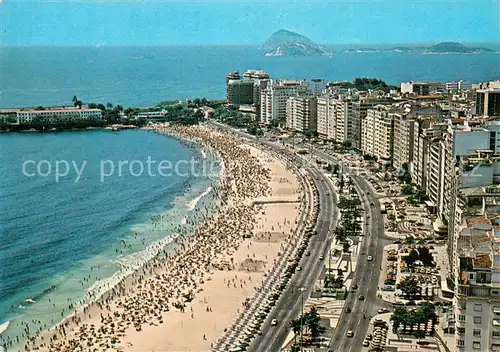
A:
(170, 304)
(104, 286)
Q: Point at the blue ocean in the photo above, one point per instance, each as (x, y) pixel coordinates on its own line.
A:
(67, 240)
(143, 76)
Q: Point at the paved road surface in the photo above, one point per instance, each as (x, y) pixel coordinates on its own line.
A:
(367, 272)
(290, 302)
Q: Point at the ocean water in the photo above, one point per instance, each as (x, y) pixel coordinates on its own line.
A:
(65, 242)
(143, 76)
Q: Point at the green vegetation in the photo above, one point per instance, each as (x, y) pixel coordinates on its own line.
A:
(404, 174)
(350, 211)
(418, 318)
(310, 322)
(365, 84)
(418, 196)
(76, 102)
(410, 287)
(183, 115)
(234, 118)
(370, 158)
(194, 103)
(422, 254)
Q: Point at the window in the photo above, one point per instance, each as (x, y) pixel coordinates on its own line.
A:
(495, 334)
(477, 320)
(460, 343)
(477, 333)
(461, 318)
(476, 345)
(461, 331)
(478, 307)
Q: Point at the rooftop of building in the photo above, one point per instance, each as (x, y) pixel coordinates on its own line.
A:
(489, 90)
(483, 261)
(471, 222)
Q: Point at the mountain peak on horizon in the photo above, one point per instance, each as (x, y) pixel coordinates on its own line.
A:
(287, 43)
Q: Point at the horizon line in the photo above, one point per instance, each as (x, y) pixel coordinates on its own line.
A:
(100, 45)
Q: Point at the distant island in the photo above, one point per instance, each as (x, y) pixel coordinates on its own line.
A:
(287, 43)
(440, 48)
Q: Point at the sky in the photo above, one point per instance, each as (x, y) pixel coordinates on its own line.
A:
(206, 22)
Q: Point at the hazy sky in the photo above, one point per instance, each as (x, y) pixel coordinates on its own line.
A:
(156, 22)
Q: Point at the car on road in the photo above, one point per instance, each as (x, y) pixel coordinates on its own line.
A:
(382, 310)
(321, 257)
(355, 287)
(350, 333)
(369, 258)
(366, 343)
(308, 254)
(361, 298)
(299, 268)
(274, 322)
(327, 193)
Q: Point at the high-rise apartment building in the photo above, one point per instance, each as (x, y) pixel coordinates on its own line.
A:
(301, 113)
(488, 102)
(246, 90)
(274, 97)
(377, 132)
(323, 118)
(317, 85)
(421, 88)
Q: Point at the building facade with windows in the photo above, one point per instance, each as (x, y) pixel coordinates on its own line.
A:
(55, 116)
(301, 113)
(275, 96)
(377, 132)
(488, 102)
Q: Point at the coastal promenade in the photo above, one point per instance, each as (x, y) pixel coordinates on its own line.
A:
(301, 285)
(185, 298)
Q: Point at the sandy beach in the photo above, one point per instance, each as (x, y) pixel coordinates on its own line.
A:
(185, 299)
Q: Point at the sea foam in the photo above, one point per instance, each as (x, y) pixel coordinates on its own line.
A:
(128, 265)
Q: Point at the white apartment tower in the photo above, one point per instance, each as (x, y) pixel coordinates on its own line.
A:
(301, 112)
(377, 132)
(323, 117)
(274, 97)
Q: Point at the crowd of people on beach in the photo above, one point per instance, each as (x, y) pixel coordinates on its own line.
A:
(172, 279)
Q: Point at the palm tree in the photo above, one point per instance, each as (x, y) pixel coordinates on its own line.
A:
(295, 324)
(345, 247)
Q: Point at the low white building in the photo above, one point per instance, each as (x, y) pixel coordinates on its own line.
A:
(57, 115)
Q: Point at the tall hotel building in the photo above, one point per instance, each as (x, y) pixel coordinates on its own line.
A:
(275, 96)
